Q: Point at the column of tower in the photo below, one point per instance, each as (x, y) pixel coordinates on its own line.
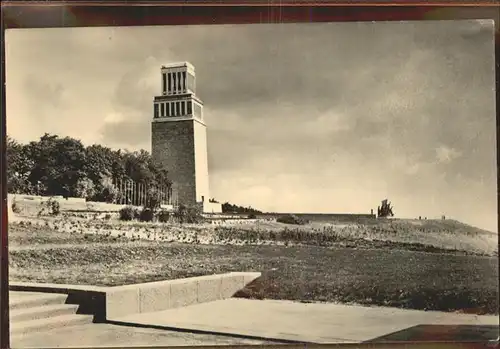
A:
(174, 82)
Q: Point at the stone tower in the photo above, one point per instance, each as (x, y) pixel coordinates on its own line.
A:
(179, 134)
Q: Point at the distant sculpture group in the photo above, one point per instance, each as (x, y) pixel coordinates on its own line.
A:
(385, 210)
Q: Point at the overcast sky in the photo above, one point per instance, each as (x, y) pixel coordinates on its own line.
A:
(327, 117)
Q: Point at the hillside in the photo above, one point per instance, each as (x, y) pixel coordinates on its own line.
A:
(442, 234)
(421, 235)
(383, 276)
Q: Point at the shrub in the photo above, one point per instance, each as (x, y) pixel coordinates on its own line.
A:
(128, 213)
(137, 213)
(146, 215)
(291, 219)
(54, 206)
(163, 216)
(50, 207)
(15, 207)
(252, 216)
(188, 214)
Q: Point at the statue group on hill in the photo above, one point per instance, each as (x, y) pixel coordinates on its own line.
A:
(385, 210)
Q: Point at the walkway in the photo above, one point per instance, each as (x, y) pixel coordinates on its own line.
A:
(319, 323)
(104, 335)
(241, 321)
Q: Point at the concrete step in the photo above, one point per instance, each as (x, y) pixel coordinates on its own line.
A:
(42, 312)
(24, 300)
(41, 325)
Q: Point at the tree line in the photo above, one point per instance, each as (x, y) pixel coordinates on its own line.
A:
(230, 208)
(63, 166)
(54, 166)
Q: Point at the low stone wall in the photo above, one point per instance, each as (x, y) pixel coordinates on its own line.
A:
(104, 207)
(162, 295)
(112, 303)
(30, 204)
(22, 197)
(25, 205)
(11, 215)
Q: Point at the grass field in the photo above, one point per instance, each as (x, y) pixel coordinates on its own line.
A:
(372, 276)
(419, 264)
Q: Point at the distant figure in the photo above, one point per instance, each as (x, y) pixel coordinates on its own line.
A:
(443, 217)
(419, 218)
(425, 218)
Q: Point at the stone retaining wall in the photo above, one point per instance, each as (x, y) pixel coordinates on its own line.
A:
(111, 303)
(162, 295)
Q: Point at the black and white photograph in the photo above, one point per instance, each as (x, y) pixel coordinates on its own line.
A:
(252, 184)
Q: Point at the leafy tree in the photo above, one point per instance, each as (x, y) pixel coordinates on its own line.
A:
(59, 164)
(85, 188)
(102, 165)
(98, 160)
(19, 166)
(64, 166)
(106, 191)
(140, 167)
(136, 167)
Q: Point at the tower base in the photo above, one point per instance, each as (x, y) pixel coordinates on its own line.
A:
(210, 207)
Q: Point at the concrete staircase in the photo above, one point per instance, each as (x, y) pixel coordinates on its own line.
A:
(32, 312)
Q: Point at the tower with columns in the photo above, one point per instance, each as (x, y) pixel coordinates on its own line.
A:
(179, 134)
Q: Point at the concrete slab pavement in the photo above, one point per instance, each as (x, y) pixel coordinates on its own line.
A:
(316, 323)
(105, 335)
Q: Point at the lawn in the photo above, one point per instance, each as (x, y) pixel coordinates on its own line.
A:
(381, 276)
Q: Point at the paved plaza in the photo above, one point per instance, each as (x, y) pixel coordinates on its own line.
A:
(319, 322)
(236, 321)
